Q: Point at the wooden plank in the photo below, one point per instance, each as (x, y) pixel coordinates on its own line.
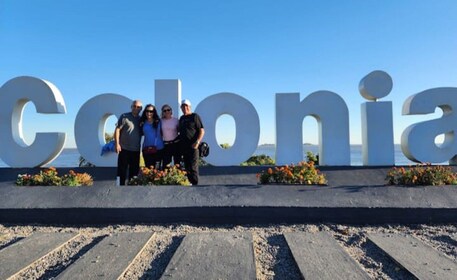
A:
(319, 256)
(418, 258)
(221, 255)
(18, 256)
(110, 258)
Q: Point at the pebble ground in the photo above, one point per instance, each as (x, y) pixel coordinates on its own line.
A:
(272, 255)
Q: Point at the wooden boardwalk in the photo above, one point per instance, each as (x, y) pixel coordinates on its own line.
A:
(221, 255)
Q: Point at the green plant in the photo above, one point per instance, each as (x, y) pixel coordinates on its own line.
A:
(225, 146)
(50, 177)
(312, 157)
(202, 162)
(422, 174)
(171, 175)
(77, 179)
(304, 173)
(24, 180)
(258, 160)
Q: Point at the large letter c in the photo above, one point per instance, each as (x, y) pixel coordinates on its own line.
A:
(14, 95)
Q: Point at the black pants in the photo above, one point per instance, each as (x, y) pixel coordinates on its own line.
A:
(190, 157)
(171, 151)
(128, 160)
(153, 160)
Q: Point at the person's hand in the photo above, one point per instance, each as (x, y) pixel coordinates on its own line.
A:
(195, 145)
(118, 148)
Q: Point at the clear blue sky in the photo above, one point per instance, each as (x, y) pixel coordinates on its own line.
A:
(252, 48)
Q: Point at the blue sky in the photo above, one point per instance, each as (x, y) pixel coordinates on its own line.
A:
(251, 48)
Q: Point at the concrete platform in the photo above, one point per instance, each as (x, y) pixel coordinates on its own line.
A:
(355, 195)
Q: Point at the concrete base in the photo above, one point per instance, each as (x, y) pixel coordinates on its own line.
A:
(355, 195)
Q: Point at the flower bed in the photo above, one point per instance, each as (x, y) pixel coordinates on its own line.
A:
(171, 175)
(50, 177)
(304, 173)
(422, 175)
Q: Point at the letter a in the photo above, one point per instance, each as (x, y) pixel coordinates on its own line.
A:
(418, 140)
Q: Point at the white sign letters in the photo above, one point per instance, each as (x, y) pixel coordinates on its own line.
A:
(328, 108)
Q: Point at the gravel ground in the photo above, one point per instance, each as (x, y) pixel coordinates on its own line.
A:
(273, 257)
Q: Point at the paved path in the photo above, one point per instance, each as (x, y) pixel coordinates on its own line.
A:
(454, 237)
(319, 256)
(223, 255)
(109, 259)
(18, 256)
(419, 259)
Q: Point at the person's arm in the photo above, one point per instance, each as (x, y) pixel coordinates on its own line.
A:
(117, 144)
(199, 139)
(201, 131)
(200, 135)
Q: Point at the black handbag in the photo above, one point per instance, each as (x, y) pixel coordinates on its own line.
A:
(203, 149)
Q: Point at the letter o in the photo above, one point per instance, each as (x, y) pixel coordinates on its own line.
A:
(246, 122)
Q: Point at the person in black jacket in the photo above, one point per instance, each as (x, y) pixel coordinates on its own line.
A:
(191, 132)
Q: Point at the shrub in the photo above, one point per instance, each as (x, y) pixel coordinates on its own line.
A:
(304, 173)
(258, 160)
(77, 179)
(50, 177)
(225, 146)
(312, 157)
(202, 162)
(171, 175)
(423, 175)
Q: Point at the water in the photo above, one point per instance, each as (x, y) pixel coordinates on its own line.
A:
(356, 153)
(70, 157)
(67, 158)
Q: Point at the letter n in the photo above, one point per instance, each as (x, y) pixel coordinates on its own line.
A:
(332, 116)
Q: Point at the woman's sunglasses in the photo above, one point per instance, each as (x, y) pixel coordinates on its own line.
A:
(166, 110)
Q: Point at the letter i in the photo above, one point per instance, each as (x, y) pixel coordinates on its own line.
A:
(168, 92)
(377, 122)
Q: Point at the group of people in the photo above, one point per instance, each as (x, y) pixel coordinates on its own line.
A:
(165, 139)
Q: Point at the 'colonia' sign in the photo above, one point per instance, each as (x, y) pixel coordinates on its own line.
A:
(328, 108)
